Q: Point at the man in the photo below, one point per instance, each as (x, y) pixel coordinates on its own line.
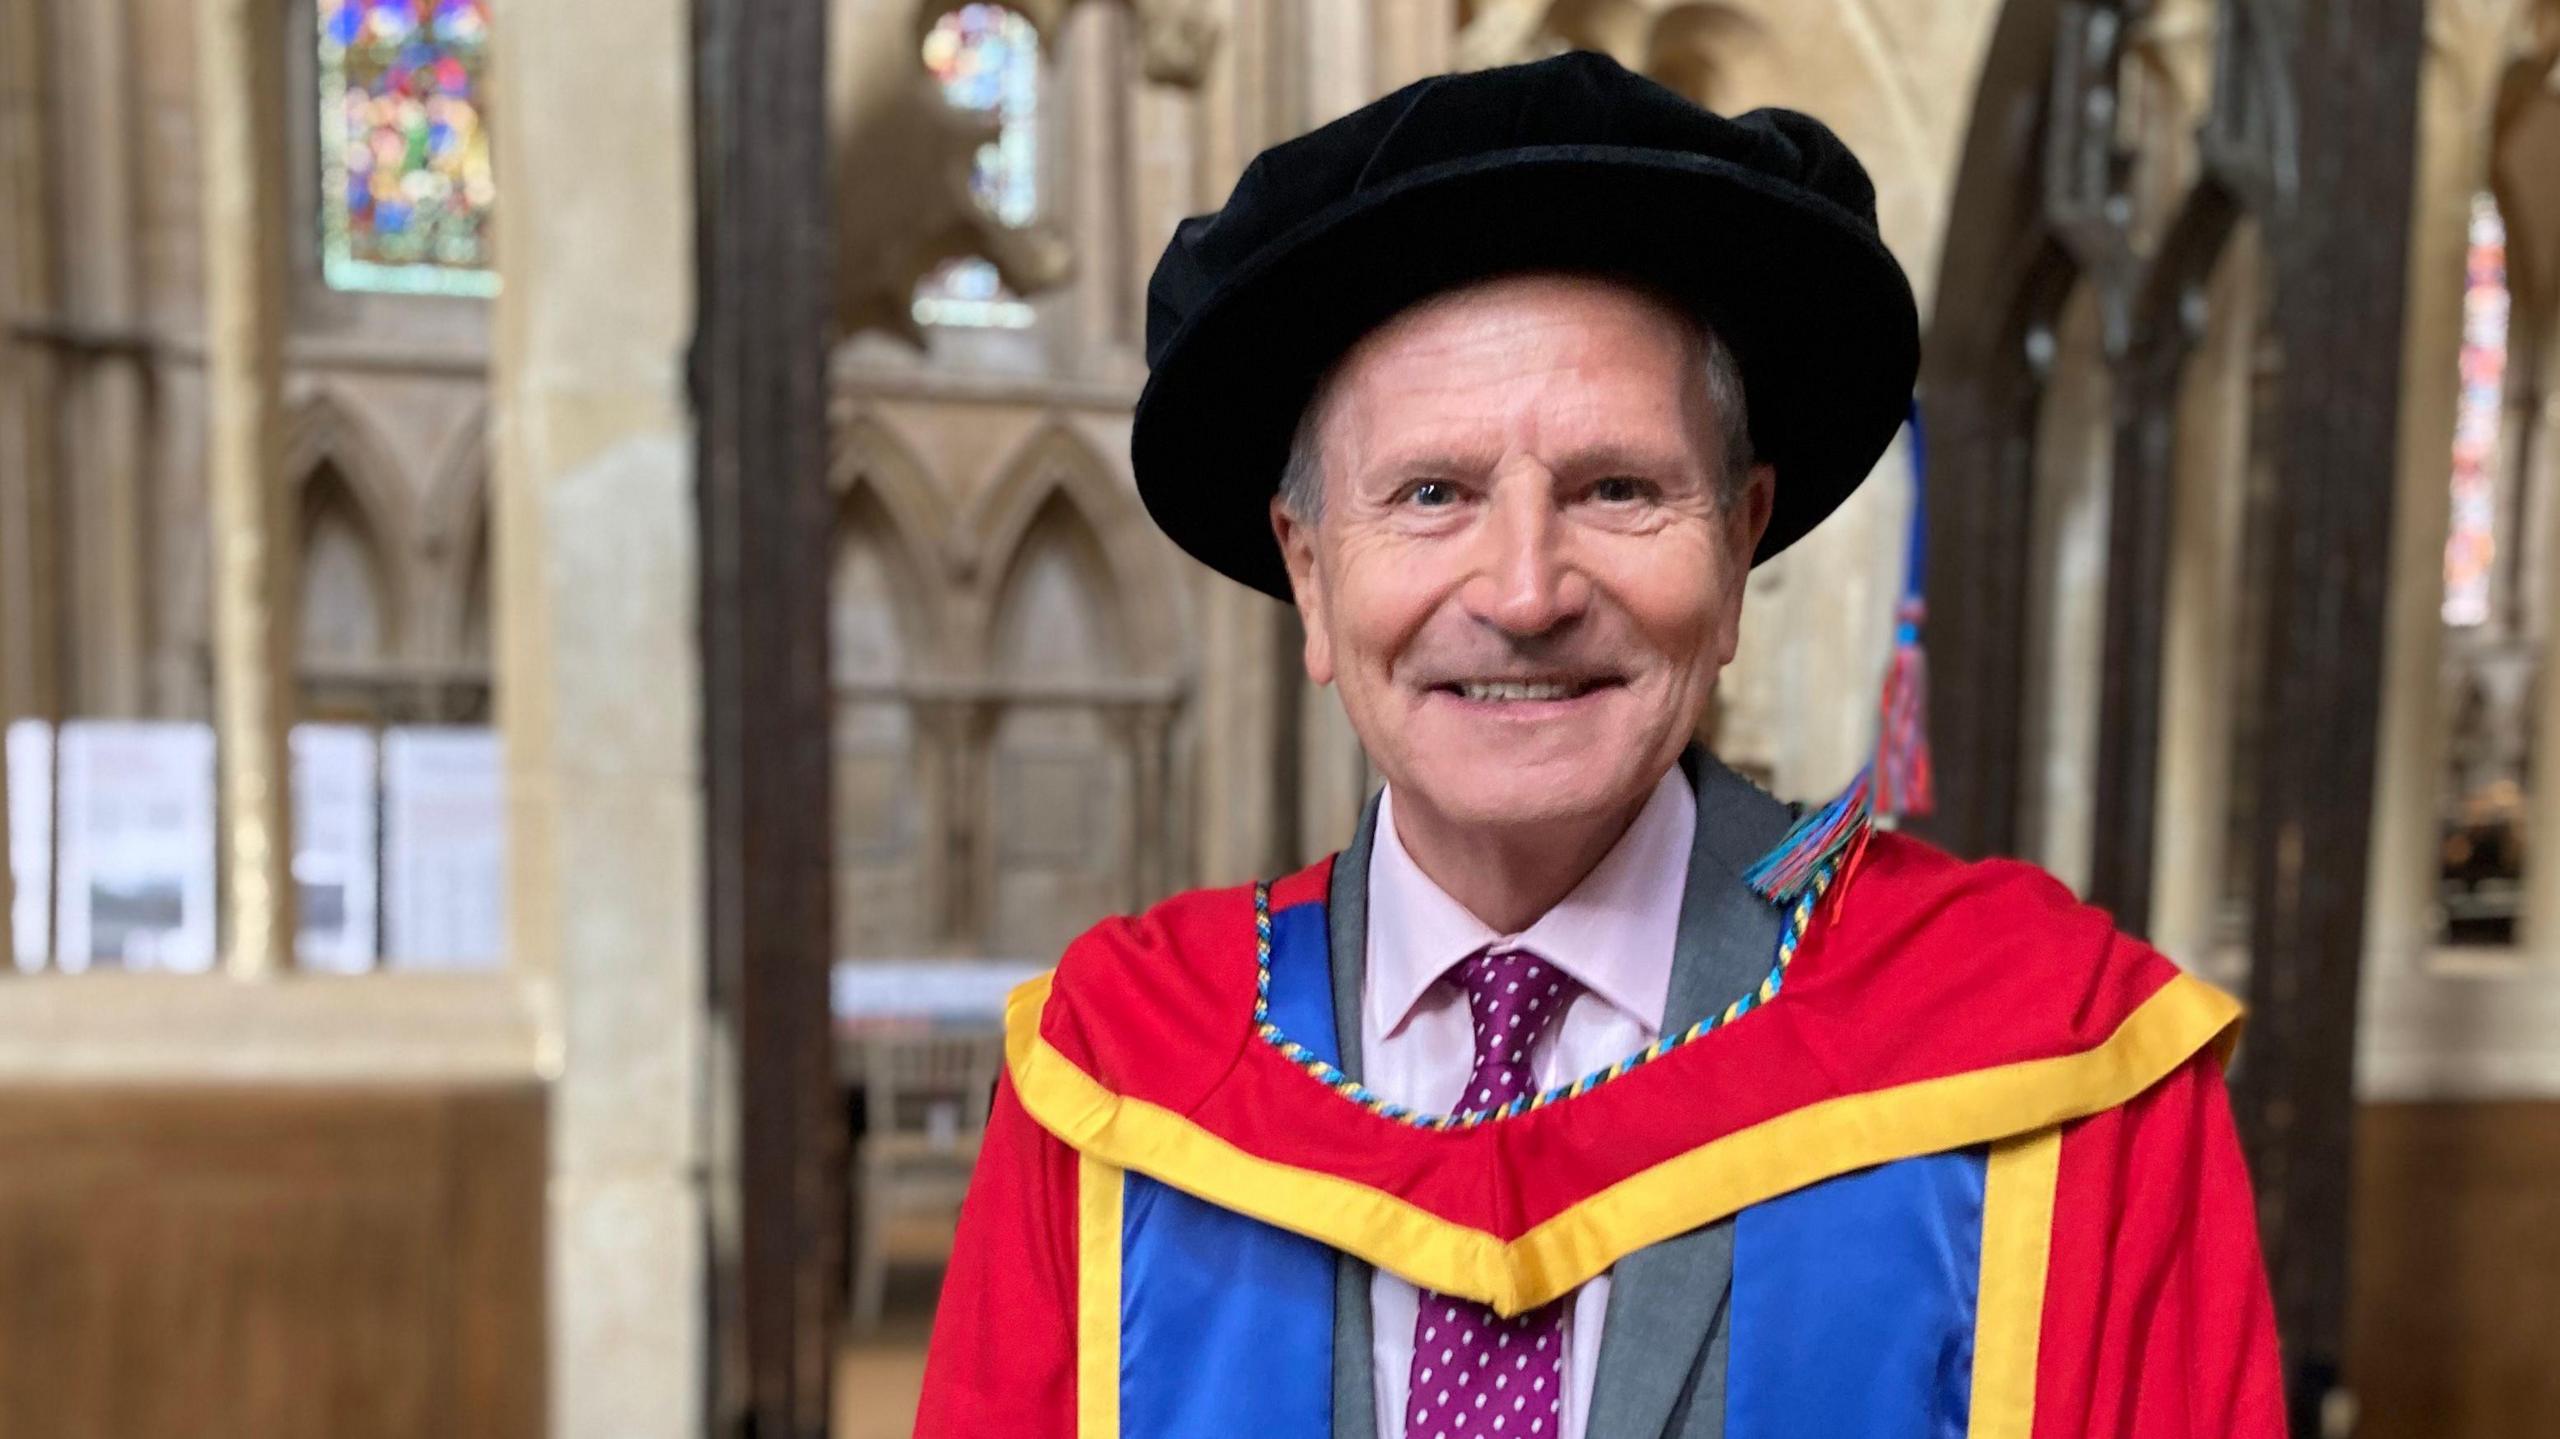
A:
(1588, 1092)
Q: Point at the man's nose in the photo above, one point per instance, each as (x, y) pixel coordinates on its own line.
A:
(1525, 581)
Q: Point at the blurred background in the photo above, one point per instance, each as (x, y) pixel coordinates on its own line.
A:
(573, 613)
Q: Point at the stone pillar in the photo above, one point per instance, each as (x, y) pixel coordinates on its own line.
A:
(2541, 931)
(27, 273)
(2201, 630)
(2454, 96)
(598, 684)
(237, 96)
(101, 397)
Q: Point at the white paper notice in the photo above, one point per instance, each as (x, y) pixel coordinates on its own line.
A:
(335, 870)
(136, 848)
(444, 849)
(30, 761)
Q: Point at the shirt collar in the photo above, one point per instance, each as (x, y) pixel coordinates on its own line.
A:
(1613, 934)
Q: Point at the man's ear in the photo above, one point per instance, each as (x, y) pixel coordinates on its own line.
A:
(1297, 540)
(1748, 519)
(1759, 499)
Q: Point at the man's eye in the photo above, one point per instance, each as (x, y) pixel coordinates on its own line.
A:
(1622, 490)
(1430, 494)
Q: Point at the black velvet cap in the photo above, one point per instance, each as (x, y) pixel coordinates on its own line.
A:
(1763, 225)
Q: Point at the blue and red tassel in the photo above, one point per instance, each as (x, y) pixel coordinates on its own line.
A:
(1895, 783)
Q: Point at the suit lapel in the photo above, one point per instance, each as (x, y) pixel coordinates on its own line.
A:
(1355, 1400)
(1661, 1355)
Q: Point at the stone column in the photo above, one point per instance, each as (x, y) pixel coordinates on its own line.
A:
(2454, 93)
(100, 396)
(2541, 931)
(27, 275)
(2201, 630)
(598, 684)
(237, 94)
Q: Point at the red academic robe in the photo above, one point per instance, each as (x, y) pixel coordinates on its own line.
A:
(1936, 1011)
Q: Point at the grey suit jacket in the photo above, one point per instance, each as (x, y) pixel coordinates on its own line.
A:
(1662, 1349)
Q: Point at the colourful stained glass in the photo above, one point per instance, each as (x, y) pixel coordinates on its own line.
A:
(2471, 545)
(405, 191)
(987, 58)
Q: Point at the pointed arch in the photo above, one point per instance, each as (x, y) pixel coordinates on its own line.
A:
(1056, 468)
(347, 614)
(1059, 811)
(883, 617)
(1058, 611)
(347, 492)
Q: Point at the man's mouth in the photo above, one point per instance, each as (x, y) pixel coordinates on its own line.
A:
(1524, 691)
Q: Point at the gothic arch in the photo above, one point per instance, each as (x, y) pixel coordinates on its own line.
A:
(869, 454)
(337, 466)
(1057, 467)
(1058, 532)
(347, 586)
(328, 428)
(866, 525)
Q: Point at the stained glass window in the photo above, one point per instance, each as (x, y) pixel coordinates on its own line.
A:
(405, 189)
(2471, 546)
(987, 58)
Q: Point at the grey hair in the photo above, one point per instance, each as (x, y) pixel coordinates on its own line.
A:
(1302, 477)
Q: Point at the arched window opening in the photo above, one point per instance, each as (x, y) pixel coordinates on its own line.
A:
(344, 614)
(2471, 546)
(1061, 833)
(987, 59)
(2488, 664)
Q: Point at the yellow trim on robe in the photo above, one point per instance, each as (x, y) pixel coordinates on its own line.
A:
(2017, 1243)
(1099, 1191)
(1719, 1178)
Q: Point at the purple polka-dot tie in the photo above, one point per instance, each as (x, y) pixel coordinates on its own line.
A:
(1475, 1374)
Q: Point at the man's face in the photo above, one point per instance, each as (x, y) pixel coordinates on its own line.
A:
(1525, 573)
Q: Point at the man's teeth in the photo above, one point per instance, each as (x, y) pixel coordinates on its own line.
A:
(1511, 691)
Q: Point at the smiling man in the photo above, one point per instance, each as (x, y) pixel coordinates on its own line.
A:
(1588, 1091)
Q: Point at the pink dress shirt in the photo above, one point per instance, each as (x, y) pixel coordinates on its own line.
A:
(1614, 934)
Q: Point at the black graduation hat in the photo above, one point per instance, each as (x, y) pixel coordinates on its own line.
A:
(1764, 225)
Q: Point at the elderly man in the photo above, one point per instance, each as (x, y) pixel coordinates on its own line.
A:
(1589, 1091)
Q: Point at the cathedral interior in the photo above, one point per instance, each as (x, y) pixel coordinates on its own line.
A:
(466, 973)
